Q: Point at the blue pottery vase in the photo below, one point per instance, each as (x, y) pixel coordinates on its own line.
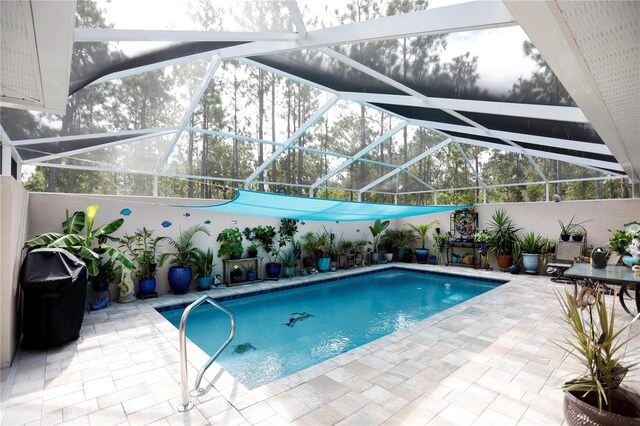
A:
(147, 285)
(273, 270)
(204, 283)
(422, 255)
(324, 263)
(179, 279)
(630, 260)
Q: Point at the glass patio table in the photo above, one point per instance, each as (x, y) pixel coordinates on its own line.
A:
(628, 281)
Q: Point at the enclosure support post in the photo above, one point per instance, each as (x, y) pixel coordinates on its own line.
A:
(155, 185)
(546, 188)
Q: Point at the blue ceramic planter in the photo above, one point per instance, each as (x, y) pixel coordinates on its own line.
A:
(630, 260)
(147, 285)
(273, 270)
(179, 279)
(324, 263)
(422, 255)
(204, 283)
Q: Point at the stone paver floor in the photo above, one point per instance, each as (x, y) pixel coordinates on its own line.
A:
(491, 360)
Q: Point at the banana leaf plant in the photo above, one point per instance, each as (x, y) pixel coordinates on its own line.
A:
(89, 246)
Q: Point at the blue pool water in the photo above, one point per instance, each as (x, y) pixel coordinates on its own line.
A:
(333, 317)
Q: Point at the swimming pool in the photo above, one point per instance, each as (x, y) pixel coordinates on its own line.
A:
(283, 332)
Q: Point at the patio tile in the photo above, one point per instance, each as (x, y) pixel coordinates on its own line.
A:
(258, 412)
(82, 409)
(151, 414)
(373, 414)
(108, 416)
(229, 417)
(139, 403)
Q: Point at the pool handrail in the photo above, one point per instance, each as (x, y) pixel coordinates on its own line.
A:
(197, 390)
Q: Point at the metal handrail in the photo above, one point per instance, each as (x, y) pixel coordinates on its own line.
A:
(197, 390)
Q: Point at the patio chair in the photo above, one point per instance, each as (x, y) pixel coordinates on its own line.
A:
(566, 254)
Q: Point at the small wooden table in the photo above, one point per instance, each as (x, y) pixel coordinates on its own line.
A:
(628, 281)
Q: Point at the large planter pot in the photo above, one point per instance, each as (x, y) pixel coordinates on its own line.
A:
(179, 279)
(375, 258)
(287, 271)
(147, 285)
(204, 283)
(400, 252)
(251, 276)
(530, 262)
(236, 277)
(579, 412)
(308, 262)
(422, 255)
(504, 261)
(388, 257)
(324, 264)
(630, 260)
(273, 270)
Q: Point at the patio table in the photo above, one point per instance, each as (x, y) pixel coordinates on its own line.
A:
(628, 281)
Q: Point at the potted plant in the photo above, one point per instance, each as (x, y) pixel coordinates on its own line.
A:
(180, 274)
(88, 247)
(289, 262)
(504, 236)
(547, 250)
(441, 245)
(309, 249)
(231, 243)
(592, 339)
(469, 258)
(421, 232)
(484, 239)
(376, 231)
(402, 239)
(530, 247)
(387, 245)
(236, 274)
(288, 229)
(627, 243)
(577, 236)
(142, 248)
(252, 250)
(251, 271)
(203, 268)
(359, 246)
(266, 236)
(516, 256)
(565, 230)
(323, 251)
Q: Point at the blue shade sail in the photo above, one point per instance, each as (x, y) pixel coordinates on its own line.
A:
(275, 205)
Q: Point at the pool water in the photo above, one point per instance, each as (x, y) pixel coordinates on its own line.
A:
(280, 333)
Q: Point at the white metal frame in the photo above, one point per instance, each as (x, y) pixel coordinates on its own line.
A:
(449, 19)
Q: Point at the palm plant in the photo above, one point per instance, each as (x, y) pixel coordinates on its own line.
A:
(531, 243)
(184, 247)
(592, 339)
(203, 263)
(421, 231)
(504, 233)
(89, 247)
(142, 247)
(376, 231)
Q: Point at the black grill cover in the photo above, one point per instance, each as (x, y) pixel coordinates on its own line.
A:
(54, 283)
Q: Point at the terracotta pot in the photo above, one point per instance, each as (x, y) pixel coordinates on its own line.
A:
(504, 261)
(584, 411)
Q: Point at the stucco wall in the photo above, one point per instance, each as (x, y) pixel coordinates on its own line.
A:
(598, 216)
(47, 211)
(13, 214)
(151, 212)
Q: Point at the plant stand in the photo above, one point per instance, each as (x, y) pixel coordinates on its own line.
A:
(463, 225)
(228, 264)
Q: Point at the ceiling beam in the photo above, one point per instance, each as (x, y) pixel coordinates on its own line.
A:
(409, 163)
(364, 151)
(443, 20)
(293, 139)
(98, 35)
(509, 109)
(75, 138)
(202, 88)
(296, 17)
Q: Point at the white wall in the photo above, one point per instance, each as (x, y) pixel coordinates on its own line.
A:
(13, 214)
(151, 212)
(47, 211)
(599, 216)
